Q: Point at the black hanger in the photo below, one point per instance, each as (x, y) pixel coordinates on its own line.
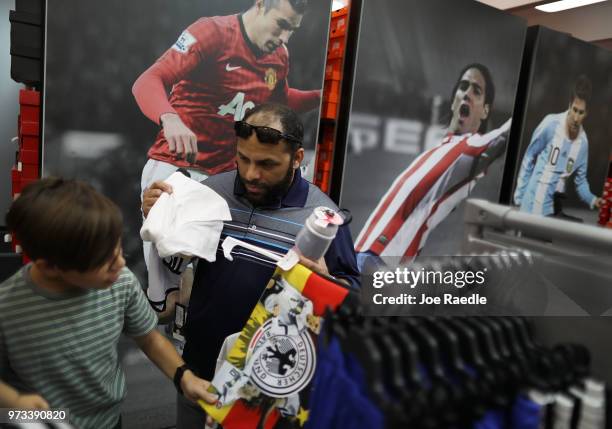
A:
(485, 338)
(469, 401)
(468, 342)
(449, 344)
(428, 347)
(381, 359)
(519, 355)
(541, 373)
(392, 366)
(498, 336)
(525, 334)
(513, 369)
(409, 355)
(442, 395)
(548, 369)
(483, 379)
(579, 357)
(333, 326)
(405, 401)
(563, 368)
(513, 338)
(349, 326)
(496, 369)
(544, 374)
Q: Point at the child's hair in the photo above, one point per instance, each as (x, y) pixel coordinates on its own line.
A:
(67, 223)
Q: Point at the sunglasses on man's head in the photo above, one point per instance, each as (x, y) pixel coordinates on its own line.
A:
(264, 134)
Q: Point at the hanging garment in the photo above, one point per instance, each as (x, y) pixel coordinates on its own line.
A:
(186, 223)
(338, 398)
(355, 409)
(563, 412)
(526, 413)
(592, 404)
(493, 419)
(327, 389)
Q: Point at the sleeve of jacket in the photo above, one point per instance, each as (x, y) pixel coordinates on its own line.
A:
(340, 258)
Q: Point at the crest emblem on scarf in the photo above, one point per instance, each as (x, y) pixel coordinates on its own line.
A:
(283, 364)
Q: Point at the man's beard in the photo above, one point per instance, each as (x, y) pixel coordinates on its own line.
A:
(269, 193)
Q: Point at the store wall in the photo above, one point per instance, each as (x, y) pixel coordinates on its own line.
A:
(9, 91)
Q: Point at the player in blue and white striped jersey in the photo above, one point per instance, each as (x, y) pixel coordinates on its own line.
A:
(558, 150)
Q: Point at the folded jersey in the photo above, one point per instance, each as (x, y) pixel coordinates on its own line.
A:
(187, 222)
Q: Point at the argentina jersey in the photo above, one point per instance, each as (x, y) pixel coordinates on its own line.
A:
(549, 161)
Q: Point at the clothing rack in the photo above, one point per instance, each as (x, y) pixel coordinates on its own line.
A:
(451, 372)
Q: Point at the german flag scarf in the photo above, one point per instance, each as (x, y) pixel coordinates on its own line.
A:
(268, 370)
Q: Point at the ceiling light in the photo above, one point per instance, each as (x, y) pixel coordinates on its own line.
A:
(565, 4)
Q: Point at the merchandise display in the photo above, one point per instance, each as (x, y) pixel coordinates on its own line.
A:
(401, 220)
(449, 372)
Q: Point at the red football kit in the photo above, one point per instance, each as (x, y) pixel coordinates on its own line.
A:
(216, 75)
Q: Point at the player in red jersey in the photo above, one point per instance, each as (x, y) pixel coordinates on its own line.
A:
(219, 68)
(440, 178)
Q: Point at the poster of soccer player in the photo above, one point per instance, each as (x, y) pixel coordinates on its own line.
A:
(435, 84)
(136, 89)
(566, 133)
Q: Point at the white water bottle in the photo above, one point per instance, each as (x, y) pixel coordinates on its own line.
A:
(318, 232)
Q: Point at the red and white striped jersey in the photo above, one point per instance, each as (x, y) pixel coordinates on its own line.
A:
(426, 192)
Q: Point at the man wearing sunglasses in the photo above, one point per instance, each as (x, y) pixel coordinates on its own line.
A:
(269, 202)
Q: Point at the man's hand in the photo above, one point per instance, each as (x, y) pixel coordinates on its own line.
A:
(319, 267)
(181, 140)
(31, 401)
(195, 388)
(598, 203)
(151, 195)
